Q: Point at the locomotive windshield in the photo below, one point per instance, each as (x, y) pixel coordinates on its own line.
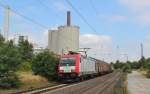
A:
(67, 61)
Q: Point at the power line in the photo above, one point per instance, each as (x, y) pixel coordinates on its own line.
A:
(47, 7)
(25, 17)
(93, 7)
(82, 17)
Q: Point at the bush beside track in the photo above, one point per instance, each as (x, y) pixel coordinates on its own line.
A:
(44, 64)
(16, 60)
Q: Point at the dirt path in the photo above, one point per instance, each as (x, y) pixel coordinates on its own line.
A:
(138, 84)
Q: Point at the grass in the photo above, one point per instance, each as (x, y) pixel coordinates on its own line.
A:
(29, 81)
(143, 71)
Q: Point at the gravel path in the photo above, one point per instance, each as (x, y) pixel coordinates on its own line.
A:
(138, 84)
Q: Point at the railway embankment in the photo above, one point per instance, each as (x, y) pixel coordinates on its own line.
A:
(29, 81)
(121, 85)
(112, 83)
(145, 72)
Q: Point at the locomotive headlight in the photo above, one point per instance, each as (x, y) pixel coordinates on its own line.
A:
(61, 71)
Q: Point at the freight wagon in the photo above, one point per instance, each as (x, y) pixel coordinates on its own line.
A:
(76, 66)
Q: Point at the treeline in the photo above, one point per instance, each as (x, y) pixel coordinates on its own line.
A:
(143, 63)
(21, 57)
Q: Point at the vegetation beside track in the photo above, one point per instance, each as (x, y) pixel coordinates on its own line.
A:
(29, 81)
(121, 85)
(45, 64)
(145, 72)
(143, 65)
(18, 66)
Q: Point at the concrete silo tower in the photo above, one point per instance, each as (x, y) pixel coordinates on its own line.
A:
(65, 38)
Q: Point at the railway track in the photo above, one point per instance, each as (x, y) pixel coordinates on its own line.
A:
(40, 90)
(93, 86)
(98, 85)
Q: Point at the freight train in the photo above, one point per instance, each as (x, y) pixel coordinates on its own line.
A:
(74, 66)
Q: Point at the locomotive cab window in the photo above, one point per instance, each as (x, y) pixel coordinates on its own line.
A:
(67, 61)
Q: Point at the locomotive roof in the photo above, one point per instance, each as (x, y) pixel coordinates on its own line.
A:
(75, 54)
(98, 60)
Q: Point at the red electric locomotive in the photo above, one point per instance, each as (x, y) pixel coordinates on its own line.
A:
(77, 66)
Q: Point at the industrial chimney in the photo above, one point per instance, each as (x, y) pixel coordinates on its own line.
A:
(68, 18)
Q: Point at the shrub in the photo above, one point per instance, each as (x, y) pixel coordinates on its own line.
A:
(148, 74)
(126, 68)
(9, 80)
(25, 66)
(25, 49)
(44, 64)
(9, 64)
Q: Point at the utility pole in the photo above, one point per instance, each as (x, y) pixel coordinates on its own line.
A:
(127, 57)
(117, 52)
(141, 50)
(6, 23)
(142, 56)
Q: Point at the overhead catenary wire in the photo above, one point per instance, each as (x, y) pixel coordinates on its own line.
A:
(25, 17)
(47, 7)
(29, 19)
(57, 17)
(82, 17)
(93, 7)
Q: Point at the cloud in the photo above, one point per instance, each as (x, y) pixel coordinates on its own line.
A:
(147, 46)
(143, 18)
(92, 38)
(136, 5)
(99, 44)
(139, 9)
(147, 37)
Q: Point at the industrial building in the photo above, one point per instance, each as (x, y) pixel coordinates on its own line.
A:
(65, 38)
(17, 38)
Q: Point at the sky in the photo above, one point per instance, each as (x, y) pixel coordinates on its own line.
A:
(121, 25)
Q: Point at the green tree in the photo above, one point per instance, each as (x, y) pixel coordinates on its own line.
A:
(135, 65)
(26, 50)
(147, 64)
(142, 61)
(118, 65)
(9, 63)
(44, 64)
(126, 67)
(1, 40)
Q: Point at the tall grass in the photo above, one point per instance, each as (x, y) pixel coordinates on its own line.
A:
(121, 86)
